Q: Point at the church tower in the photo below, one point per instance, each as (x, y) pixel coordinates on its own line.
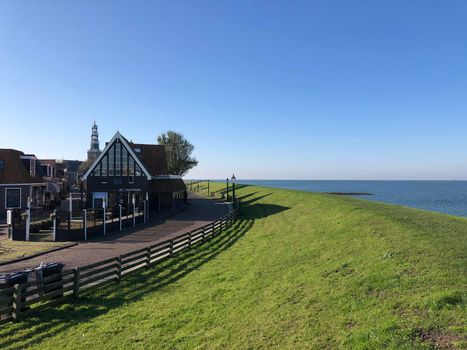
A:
(94, 151)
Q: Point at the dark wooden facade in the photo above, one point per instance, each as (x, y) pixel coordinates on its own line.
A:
(127, 173)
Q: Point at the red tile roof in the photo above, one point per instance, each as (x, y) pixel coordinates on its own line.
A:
(153, 158)
(14, 171)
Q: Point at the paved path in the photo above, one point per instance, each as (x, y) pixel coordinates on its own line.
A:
(201, 212)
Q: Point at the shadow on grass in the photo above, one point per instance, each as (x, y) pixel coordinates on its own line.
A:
(84, 309)
(252, 200)
(258, 210)
(224, 190)
(242, 198)
(52, 322)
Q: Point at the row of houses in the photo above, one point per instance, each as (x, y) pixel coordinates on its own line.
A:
(42, 181)
(123, 173)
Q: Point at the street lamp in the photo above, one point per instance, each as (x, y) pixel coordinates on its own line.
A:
(227, 183)
(233, 189)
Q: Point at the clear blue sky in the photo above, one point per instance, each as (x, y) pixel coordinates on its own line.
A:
(266, 89)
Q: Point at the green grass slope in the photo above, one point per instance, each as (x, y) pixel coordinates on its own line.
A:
(298, 271)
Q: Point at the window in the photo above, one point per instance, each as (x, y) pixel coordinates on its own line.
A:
(12, 198)
(118, 159)
(32, 167)
(131, 169)
(124, 161)
(111, 155)
(104, 166)
(2, 164)
(97, 170)
(138, 151)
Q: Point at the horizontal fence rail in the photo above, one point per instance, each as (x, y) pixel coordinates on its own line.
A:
(21, 300)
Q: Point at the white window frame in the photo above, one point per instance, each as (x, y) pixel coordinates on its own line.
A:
(32, 167)
(20, 196)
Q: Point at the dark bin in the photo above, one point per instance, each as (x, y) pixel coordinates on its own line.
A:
(48, 270)
(17, 231)
(8, 280)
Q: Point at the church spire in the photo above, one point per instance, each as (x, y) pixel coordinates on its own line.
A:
(94, 150)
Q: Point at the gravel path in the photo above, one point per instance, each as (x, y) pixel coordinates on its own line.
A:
(201, 211)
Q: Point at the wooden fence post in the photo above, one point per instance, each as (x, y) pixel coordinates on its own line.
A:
(85, 224)
(119, 268)
(76, 277)
(189, 240)
(148, 257)
(17, 302)
(203, 234)
(171, 247)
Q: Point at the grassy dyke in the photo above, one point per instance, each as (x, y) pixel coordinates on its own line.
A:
(298, 270)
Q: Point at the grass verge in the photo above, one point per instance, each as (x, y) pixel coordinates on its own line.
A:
(13, 250)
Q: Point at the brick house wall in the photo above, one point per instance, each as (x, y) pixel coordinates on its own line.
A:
(26, 191)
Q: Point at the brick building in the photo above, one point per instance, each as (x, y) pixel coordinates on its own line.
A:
(20, 179)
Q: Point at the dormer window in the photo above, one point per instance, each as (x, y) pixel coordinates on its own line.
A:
(32, 167)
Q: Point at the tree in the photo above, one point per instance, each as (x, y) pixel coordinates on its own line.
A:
(84, 166)
(178, 150)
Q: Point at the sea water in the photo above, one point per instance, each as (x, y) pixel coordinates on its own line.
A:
(448, 197)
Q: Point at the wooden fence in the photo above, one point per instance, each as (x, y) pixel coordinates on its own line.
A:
(20, 300)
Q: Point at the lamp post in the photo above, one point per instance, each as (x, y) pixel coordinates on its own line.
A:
(233, 189)
(227, 183)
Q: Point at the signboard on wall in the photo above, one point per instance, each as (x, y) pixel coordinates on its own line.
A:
(97, 199)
